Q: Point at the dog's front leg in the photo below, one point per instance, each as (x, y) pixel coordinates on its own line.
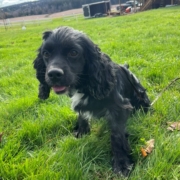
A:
(82, 126)
(122, 162)
(44, 91)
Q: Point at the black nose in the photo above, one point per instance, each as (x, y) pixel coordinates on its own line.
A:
(55, 73)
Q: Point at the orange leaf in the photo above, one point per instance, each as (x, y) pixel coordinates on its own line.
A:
(148, 149)
(143, 152)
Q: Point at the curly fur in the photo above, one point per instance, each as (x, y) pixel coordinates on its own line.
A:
(69, 62)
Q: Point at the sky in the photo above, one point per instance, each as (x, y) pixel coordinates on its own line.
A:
(11, 2)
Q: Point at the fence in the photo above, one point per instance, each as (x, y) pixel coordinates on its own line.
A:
(48, 18)
(23, 22)
(73, 16)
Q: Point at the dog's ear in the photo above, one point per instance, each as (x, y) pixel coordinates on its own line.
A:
(39, 64)
(46, 34)
(98, 67)
(40, 68)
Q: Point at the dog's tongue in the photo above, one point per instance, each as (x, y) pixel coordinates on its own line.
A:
(59, 88)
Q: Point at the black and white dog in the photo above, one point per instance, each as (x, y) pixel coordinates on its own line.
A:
(69, 62)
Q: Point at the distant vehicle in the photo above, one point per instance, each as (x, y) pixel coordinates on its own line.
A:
(98, 9)
(126, 5)
(131, 3)
(123, 7)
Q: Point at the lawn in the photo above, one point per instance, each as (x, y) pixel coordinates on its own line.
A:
(37, 141)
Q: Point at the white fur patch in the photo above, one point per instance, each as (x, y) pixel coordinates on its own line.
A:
(137, 80)
(77, 99)
(87, 115)
(85, 101)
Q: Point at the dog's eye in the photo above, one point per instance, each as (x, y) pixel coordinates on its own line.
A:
(46, 54)
(73, 53)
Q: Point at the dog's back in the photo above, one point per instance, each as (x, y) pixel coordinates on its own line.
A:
(133, 89)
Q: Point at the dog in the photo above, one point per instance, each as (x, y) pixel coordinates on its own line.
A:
(68, 62)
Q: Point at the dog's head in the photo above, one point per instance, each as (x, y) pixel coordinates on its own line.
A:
(68, 58)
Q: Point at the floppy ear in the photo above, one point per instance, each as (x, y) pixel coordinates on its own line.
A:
(40, 67)
(101, 77)
(46, 34)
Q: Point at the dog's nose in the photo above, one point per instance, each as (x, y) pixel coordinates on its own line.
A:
(55, 73)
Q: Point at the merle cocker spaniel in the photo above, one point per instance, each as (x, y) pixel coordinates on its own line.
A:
(69, 62)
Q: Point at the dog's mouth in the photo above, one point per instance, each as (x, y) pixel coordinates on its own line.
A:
(59, 89)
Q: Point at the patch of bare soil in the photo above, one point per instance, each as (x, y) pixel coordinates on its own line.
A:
(44, 16)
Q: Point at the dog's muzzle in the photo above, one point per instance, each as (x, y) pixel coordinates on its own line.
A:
(55, 75)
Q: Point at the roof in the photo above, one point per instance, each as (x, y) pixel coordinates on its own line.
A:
(96, 3)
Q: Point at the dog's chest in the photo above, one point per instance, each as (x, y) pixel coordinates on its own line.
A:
(78, 100)
(80, 103)
(87, 106)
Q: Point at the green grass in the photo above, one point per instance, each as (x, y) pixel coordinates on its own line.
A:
(38, 142)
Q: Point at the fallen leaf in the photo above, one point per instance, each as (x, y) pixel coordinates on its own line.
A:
(1, 134)
(148, 148)
(170, 129)
(173, 126)
(143, 152)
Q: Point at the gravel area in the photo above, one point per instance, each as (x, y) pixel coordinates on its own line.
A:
(45, 16)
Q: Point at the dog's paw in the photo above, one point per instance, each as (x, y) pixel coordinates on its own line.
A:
(44, 91)
(43, 96)
(79, 131)
(122, 168)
